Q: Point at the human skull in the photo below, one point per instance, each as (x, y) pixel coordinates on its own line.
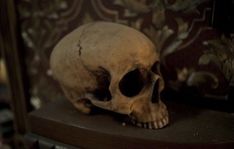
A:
(113, 67)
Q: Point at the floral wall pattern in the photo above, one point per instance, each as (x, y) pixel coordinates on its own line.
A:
(181, 30)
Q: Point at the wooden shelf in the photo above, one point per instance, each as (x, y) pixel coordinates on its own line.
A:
(189, 127)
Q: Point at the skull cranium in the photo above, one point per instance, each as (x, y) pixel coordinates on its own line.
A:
(113, 67)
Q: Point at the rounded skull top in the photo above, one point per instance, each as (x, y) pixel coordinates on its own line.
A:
(114, 67)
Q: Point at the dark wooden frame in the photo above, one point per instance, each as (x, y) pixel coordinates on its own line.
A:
(11, 46)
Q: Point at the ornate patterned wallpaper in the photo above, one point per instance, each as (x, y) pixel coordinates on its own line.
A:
(180, 28)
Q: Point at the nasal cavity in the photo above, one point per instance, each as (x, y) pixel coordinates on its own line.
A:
(132, 83)
(155, 95)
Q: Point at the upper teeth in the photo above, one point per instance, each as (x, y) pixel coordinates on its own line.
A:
(152, 125)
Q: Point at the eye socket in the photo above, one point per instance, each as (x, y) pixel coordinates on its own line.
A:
(132, 83)
(156, 68)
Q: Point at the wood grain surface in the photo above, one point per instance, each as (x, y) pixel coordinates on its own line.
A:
(189, 127)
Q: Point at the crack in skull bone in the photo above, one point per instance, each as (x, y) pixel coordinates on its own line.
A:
(80, 48)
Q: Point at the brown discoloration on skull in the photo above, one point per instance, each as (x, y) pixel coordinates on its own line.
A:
(103, 79)
(113, 67)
